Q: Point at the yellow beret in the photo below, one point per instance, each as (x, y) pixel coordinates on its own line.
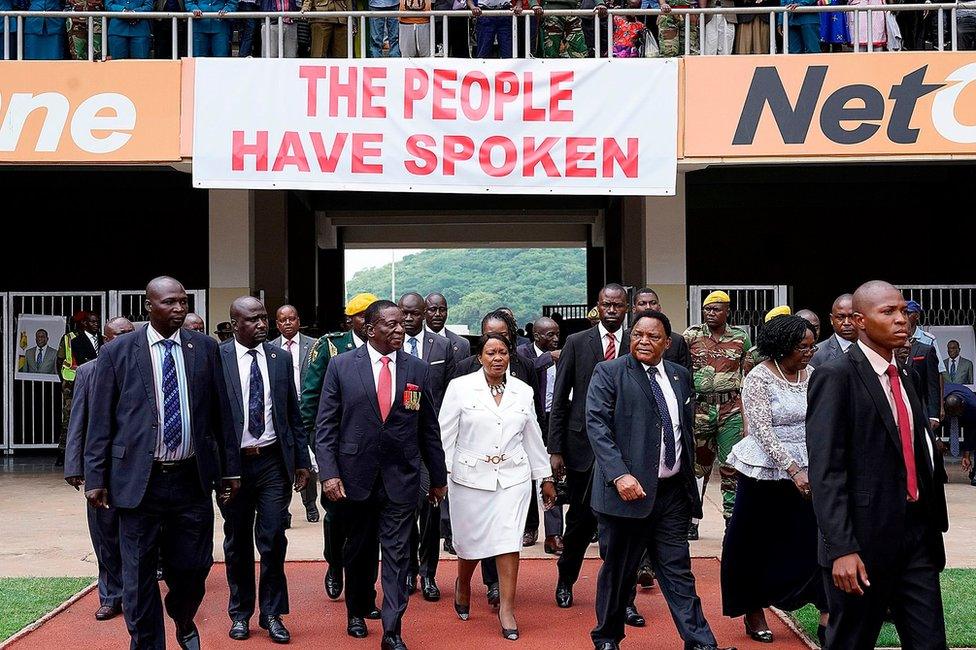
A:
(593, 313)
(359, 303)
(716, 296)
(782, 310)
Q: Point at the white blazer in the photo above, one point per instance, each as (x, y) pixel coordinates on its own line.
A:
(487, 445)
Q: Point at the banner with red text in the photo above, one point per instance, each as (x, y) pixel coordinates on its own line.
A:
(510, 126)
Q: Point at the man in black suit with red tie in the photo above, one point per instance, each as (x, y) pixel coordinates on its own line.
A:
(376, 424)
(877, 480)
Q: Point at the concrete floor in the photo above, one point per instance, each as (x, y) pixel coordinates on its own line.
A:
(44, 531)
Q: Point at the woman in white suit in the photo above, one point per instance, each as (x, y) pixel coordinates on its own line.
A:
(494, 450)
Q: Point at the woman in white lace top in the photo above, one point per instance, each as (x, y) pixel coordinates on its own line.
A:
(769, 556)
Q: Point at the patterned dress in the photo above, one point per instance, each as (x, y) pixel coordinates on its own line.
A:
(628, 38)
(833, 26)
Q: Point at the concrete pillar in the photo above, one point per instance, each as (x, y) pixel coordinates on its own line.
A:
(231, 251)
(665, 252)
(271, 247)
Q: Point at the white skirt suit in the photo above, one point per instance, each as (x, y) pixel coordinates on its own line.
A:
(493, 454)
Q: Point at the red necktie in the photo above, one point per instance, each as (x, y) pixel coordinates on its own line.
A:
(905, 432)
(611, 352)
(384, 388)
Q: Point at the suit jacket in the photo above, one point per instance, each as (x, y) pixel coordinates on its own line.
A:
(129, 27)
(624, 428)
(322, 352)
(123, 425)
(826, 351)
(48, 361)
(678, 351)
(82, 350)
(924, 364)
(42, 26)
(567, 421)
(74, 446)
(540, 366)
(305, 345)
(284, 403)
(212, 25)
(857, 472)
(520, 367)
(353, 443)
(461, 346)
(964, 370)
(438, 352)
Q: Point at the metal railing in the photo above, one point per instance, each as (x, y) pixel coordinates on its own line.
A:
(602, 24)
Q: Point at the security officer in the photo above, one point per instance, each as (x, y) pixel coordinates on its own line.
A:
(671, 28)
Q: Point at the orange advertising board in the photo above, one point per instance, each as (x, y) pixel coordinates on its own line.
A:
(71, 111)
(830, 105)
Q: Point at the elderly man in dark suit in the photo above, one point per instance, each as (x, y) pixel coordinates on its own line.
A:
(103, 523)
(159, 441)
(677, 352)
(376, 425)
(877, 480)
(273, 450)
(569, 445)
(640, 421)
(842, 322)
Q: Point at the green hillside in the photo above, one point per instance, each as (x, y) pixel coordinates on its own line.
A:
(477, 280)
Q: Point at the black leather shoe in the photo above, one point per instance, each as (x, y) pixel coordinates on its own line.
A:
(530, 537)
(634, 618)
(392, 642)
(239, 631)
(276, 629)
(449, 546)
(374, 614)
(356, 627)
(463, 611)
(494, 597)
(312, 514)
(411, 584)
(188, 637)
(693, 532)
(333, 583)
(106, 612)
(564, 595)
(607, 645)
(762, 636)
(645, 577)
(429, 590)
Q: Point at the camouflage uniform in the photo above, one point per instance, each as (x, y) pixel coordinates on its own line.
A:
(562, 36)
(78, 30)
(718, 371)
(671, 32)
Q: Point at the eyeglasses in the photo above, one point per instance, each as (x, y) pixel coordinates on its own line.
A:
(807, 349)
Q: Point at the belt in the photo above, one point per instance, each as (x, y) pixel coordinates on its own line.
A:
(168, 466)
(259, 451)
(723, 397)
(494, 460)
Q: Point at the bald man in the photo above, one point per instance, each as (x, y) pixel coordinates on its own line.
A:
(877, 480)
(845, 334)
(195, 323)
(812, 318)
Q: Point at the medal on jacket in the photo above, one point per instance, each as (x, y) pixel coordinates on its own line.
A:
(411, 397)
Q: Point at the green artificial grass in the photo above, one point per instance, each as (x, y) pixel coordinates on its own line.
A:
(24, 600)
(958, 599)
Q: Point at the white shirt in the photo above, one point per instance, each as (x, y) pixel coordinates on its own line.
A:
(880, 366)
(94, 341)
(617, 337)
(377, 365)
(244, 361)
(442, 333)
(356, 341)
(42, 352)
(843, 343)
(295, 349)
(157, 351)
(550, 379)
(672, 401)
(408, 348)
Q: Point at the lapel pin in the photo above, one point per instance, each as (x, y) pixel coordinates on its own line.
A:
(274, 356)
(189, 345)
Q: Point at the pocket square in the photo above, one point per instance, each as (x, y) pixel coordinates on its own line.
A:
(434, 363)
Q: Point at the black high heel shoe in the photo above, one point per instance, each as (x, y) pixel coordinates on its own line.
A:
(762, 636)
(508, 634)
(463, 611)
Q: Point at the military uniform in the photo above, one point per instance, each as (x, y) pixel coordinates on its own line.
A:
(78, 30)
(719, 367)
(671, 31)
(562, 36)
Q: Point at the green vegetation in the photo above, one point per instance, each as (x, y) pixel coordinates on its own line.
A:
(477, 280)
(24, 600)
(958, 599)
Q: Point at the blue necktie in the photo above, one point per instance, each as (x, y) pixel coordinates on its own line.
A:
(667, 426)
(952, 372)
(413, 345)
(954, 437)
(172, 418)
(255, 401)
(39, 356)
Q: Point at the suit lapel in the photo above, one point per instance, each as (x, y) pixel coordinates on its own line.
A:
(870, 379)
(428, 345)
(365, 366)
(636, 370)
(676, 387)
(484, 394)
(596, 344)
(401, 377)
(144, 361)
(231, 372)
(189, 361)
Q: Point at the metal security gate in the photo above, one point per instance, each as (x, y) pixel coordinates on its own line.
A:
(131, 304)
(749, 303)
(944, 305)
(33, 409)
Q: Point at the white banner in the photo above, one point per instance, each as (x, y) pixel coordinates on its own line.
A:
(509, 126)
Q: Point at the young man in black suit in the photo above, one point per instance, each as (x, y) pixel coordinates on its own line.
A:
(273, 451)
(878, 485)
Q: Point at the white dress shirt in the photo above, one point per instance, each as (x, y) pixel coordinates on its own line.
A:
(374, 357)
(295, 349)
(408, 348)
(157, 351)
(617, 338)
(672, 400)
(357, 342)
(843, 343)
(93, 340)
(244, 368)
(550, 379)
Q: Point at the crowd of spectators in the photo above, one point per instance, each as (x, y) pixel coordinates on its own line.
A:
(481, 36)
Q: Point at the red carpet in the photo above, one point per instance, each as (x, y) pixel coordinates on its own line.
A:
(316, 621)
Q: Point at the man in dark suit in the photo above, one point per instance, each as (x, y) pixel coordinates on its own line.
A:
(435, 315)
(376, 424)
(544, 352)
(640, 421)
(877, 480)
(103, 523)
(572, 456)
(194, 323)
(299, 346)
(85, 346)
(677, 352)
(273, 449)
(842, 322)
(425, 537)
(159, 441)
(922, 364)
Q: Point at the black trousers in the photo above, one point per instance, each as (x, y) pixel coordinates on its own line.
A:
(173, 525)
(377, 516)
(310, 493)
(257, 516)
(162, 33)
(425, 533)
(103, 527)
(664, 533)
(333, 533)
(910, 587)
(580, 525)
